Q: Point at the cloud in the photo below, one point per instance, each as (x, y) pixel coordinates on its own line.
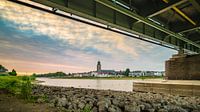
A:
(39, 37)
(76, 34)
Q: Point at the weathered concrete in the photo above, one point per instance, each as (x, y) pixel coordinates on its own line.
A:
(183, 67)
(167, 88)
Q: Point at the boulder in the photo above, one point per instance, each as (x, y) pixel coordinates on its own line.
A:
(40, 100)
(61, 102)
(173, 108)
(81, 105)
(103, 104)
(156, 106)
(131, 108)
(151, 110)
(147, 106)
(94, 109)
(111, 109)
(162, 110)
(118, 109)
(115, 102)
(142, 107)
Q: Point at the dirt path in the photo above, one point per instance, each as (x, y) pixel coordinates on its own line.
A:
(10, 103)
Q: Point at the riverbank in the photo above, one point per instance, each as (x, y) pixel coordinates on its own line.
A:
(15, 95)
(111, 78)
(11, 103)
(69, 99)
(79, 99)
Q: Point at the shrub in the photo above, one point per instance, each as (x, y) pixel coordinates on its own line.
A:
(10, 83)
(87, 108)
(17, 85)
(26, 89)
(13, 73)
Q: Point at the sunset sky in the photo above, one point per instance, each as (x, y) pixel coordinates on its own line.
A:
(35, 41)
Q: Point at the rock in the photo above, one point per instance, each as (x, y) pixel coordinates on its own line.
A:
(163, 102)
(111, 109)
(118, 109)
(147, 106)
(70, 107)
(121, 104)
(133, 103)
(40, 100)
(11, 109)
(195, 111)
(51, 104)
(61, 102)
(94, 109)
(131, 108)
(103, 104)
(173, 108)
(81, 105)
(151, 110)
(103, 100)
(188, 107)
(156, 106)
(108, 101)
(102, 108)
(74, 105)
(115, 102)
(91, 104)
(142, 107)
(162, 110)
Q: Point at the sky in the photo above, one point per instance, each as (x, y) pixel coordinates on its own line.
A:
(32, 41)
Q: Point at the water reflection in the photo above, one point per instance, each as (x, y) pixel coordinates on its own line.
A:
(119, 85)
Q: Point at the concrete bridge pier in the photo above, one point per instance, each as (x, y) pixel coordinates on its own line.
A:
(183, 67)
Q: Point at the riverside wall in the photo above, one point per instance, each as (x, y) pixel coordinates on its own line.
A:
(173, 89)
(183, 67)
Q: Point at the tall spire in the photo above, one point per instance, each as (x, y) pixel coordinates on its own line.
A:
(98, 66)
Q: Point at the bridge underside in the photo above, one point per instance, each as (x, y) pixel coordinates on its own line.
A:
(171, 23)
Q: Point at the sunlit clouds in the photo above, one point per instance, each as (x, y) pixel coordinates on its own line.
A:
(51, 43)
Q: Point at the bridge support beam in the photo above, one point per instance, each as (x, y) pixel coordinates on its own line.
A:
(183, 67)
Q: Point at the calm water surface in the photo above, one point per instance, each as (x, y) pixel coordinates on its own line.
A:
(119, 85)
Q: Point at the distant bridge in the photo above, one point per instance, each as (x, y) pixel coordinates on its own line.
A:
(171, 23)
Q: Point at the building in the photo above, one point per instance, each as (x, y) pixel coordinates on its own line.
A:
(104, 72)
(146, 73)
(98, 66)
(3, 69)
(136, 73)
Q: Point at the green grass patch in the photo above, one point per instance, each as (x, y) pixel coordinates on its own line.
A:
(87, 108)
(18, 85)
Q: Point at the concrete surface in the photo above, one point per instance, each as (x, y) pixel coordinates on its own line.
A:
(174, 87)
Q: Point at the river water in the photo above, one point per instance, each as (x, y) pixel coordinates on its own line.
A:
(118, 85)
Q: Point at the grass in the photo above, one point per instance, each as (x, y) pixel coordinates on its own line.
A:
(87, 108)
(17, 85)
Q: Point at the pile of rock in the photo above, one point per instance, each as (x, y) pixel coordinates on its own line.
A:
(78, 99)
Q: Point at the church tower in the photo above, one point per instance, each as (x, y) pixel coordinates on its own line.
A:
(98, 66)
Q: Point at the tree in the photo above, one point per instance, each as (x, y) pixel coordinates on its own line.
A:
(126, 73)
(13, 73)
(34, 74)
